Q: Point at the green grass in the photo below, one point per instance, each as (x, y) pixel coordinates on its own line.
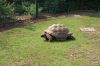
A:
(24, 46)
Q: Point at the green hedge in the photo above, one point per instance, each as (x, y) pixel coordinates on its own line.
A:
(6, 9)
(58, 6)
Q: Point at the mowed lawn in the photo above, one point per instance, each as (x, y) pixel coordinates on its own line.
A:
(24, 46)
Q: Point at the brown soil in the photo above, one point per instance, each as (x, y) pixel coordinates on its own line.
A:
(24, 20)
(20, 21)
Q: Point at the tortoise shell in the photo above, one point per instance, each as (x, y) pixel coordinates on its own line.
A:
(59, 31)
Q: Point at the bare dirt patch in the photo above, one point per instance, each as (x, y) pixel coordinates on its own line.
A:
(89, 55)
(89, 29)
(93, 35)
(20, 21)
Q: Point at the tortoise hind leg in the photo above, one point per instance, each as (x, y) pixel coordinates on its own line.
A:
(70, 37)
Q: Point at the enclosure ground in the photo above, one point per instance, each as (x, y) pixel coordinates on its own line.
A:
(23, 46)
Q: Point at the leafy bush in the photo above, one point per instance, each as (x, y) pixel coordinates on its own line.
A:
(6, 9)
(19, 9)
(26, 8)
(56, 6)
(20, 1)
(29, 8)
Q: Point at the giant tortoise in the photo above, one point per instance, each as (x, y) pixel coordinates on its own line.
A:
(57, 32)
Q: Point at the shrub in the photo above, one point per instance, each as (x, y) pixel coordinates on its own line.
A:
(19, 9)
(30, 8)
(6, 9)
(26, 8)
(58, 6)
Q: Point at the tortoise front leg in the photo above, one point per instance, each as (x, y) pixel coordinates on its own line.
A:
(49, 37)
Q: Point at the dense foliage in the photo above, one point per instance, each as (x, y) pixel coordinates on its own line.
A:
(6, 9)
(27, 7)
(56, 6)
(20, 7)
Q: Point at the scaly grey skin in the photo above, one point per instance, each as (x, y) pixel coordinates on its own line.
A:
(44, 36)
(70, 36)
(50, 38)
(47, 36)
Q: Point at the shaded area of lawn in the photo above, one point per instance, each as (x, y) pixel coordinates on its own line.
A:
(22, 20)
(24, 46)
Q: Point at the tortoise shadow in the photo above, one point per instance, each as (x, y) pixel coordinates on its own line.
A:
(67, 40)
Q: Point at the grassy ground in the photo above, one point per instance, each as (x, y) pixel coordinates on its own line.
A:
(24, 46)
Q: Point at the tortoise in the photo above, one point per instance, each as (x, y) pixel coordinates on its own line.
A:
(57, 32)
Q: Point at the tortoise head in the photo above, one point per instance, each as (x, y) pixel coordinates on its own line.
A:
(43, 35)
